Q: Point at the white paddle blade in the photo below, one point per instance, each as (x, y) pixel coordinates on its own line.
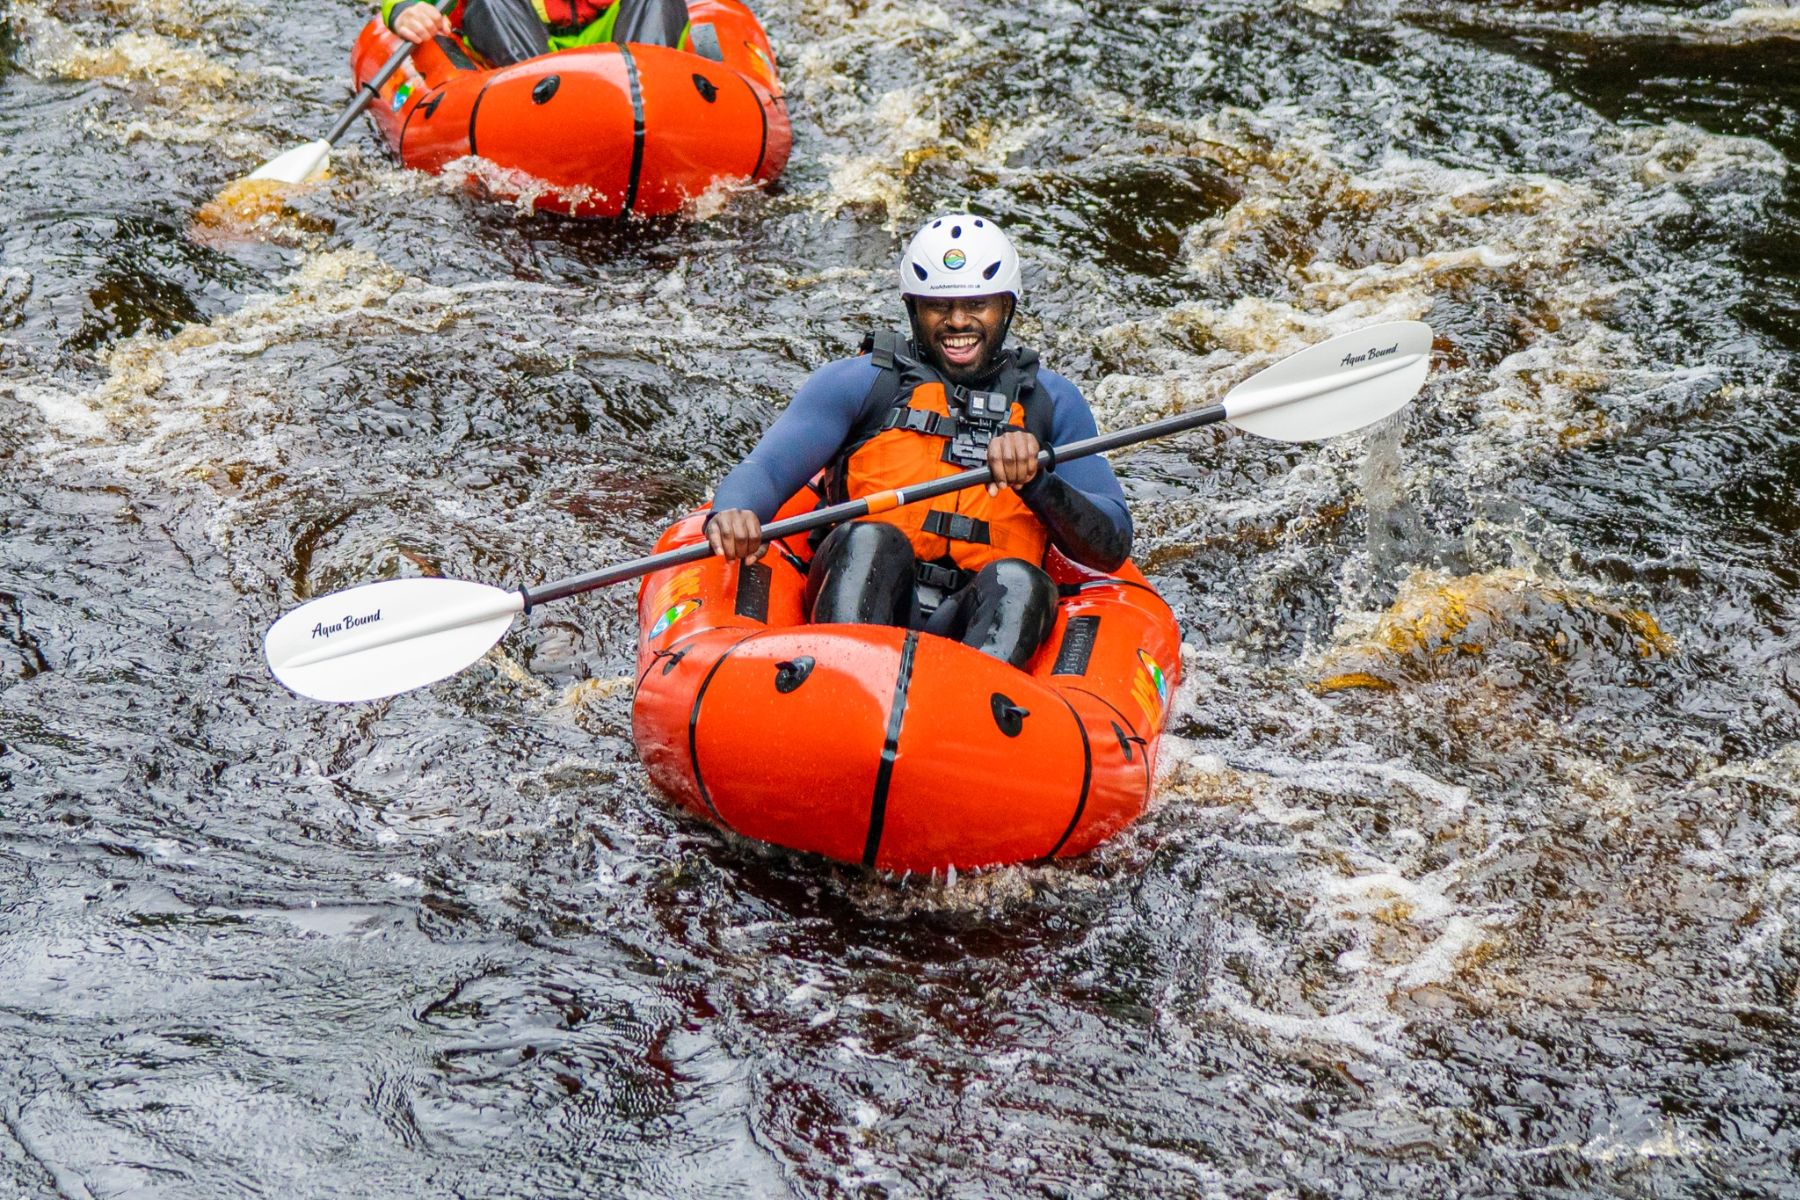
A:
(1345, 383)
(299, 165)
(380, 639)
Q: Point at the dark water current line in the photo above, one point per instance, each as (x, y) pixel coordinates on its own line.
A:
(1474, 868)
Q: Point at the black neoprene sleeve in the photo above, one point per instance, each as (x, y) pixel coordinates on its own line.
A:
(1078, 526)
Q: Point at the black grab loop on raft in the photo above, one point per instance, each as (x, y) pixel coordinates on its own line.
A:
(709, 91)
(546, 88)
(1007, 715)
(790, 674)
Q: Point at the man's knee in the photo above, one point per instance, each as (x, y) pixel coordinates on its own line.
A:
(1015, 572)
(872, 538)
(862, 574)
(1011, 608)
(1019, 581)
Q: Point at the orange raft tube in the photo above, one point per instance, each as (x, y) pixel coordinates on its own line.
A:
(899, 750)
(596, 131)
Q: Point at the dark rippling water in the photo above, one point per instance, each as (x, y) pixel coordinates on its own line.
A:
(1475, 862)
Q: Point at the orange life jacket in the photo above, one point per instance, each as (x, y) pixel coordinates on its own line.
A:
(932, 428)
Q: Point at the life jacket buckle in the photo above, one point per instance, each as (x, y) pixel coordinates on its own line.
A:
(958, 527)
(921, 420)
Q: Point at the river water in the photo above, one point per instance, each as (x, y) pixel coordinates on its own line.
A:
(1474, 864)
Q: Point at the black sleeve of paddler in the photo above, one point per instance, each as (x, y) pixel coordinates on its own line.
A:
(1085, 529)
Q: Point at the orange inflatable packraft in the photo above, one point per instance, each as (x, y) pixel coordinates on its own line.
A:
(603, 130)
(899, 750)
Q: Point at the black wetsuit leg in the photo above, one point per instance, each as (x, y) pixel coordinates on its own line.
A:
(863, 575)
(651, 22)
(1007, 611)
(504, 31)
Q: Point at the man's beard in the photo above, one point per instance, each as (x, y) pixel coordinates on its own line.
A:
(984, 367)
(979, 371)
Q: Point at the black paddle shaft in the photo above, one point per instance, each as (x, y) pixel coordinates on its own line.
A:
(836, 514)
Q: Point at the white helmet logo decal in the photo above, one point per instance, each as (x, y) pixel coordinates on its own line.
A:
(958, 254)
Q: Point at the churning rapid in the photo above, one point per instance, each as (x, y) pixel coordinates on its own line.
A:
(1474, 865)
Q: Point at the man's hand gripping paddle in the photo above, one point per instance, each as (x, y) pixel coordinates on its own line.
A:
(380, 639)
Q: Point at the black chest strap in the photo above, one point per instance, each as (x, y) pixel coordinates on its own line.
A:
(920, 420)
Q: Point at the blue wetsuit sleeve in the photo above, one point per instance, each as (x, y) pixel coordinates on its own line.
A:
(1081, 501)
(802, 441)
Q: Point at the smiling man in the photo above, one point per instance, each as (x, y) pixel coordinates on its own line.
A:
(951, 396)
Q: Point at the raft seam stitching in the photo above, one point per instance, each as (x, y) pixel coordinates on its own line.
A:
(1116, 711)
(1144, 743)
(637, 130)
(763, 149)
(400, 144)
(694, 729)
(890, 749)
(1087, 779)
(475, 109)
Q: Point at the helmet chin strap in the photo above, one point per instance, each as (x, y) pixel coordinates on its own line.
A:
(912, 317)
(1012, 306)
(993, 359)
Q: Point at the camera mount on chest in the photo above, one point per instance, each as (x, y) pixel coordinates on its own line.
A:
(975, 418)
(980, 417)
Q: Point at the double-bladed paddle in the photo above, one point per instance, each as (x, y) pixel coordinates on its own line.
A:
(379, 639)
(305, 163)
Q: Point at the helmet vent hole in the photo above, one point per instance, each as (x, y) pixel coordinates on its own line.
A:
(978, 223)
(992, 270)
(956, 231)
(935, 224)
(920, 272)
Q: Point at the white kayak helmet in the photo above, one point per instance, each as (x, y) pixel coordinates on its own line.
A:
(960, 255)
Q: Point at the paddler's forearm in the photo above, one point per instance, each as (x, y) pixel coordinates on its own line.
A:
(1093, 532)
